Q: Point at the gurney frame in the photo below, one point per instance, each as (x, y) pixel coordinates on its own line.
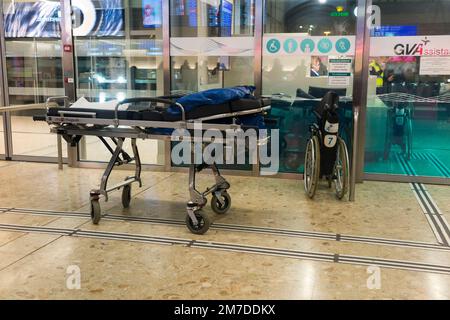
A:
(72, 126)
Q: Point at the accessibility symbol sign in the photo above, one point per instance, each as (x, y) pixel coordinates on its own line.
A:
(290, 45)
(325, 45)
(273, 45)
(343, 45)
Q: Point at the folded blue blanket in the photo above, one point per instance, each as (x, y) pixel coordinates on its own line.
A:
(212, 97)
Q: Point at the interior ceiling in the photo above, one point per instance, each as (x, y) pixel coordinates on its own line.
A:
(289, 4)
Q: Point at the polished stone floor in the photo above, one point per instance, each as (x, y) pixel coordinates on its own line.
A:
(381, 246)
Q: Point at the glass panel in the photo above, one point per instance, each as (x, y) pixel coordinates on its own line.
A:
(211, 44)
(212, 18)
(34, 70)
(408, 111)
(119, 55)
(203, 73)
(308, 49)
(2, 137)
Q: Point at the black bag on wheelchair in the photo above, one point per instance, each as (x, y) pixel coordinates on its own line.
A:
(328, 121)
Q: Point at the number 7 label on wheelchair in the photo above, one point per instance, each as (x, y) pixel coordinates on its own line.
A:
(330, 141)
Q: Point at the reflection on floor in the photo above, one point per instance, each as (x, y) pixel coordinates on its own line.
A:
(430, 148)
(274, 243)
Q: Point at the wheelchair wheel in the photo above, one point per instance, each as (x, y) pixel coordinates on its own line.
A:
(312, 166)
(409, 138)
(341, 170)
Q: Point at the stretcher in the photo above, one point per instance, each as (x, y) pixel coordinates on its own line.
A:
(152, 118)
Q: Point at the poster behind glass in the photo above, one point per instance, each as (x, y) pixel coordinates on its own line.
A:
(152, 13)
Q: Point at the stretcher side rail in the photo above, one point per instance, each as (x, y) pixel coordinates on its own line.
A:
(133, 133)
(184, 124)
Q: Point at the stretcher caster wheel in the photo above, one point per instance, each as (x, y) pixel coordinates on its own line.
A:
(203, 223)
(126, 196)
(96, 212)
(221, 204)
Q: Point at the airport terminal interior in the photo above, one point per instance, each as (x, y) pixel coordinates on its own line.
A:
(344, 192)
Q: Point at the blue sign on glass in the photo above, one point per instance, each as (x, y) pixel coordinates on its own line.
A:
(193, 13)
(226, 18)
(393, 31)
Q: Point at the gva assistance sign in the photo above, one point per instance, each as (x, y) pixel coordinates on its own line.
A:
(293, 44)
(431, 46)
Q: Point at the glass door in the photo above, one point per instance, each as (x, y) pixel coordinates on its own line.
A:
(308, 50)
(2, 138)
(34, 70)
(118, 55)
(408, 110)
(212, 44)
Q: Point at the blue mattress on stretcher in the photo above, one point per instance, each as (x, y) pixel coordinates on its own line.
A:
(212, 97)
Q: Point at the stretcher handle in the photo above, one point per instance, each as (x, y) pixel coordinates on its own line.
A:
(56, 99)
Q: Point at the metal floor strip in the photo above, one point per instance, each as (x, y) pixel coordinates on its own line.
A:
(433, 215)
(242, 248)
(252, 229)
(435, 161)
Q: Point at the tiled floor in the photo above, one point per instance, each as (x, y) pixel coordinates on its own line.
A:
(34, 263)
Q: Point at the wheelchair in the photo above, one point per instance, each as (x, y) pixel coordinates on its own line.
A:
(399, 129)
(326, 152)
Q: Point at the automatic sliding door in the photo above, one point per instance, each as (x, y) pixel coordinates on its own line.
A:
(308, 50)
(408, 110)
(34, 70)
(118, 55)
(2, 137)
(212, 44)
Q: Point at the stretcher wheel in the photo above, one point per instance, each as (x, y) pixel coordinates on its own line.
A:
(126, 196)
(341, 170)
(96, 212)
(203, 223)
(312, 166)
(217, 206)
